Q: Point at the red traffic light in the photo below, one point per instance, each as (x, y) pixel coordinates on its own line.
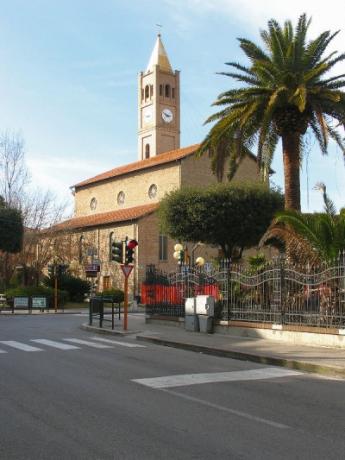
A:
(131, 244)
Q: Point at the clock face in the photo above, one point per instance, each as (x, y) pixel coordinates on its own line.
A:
(148, 114)
(167, 115)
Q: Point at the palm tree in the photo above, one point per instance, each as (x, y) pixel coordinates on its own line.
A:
(286, 92)
(311, 237)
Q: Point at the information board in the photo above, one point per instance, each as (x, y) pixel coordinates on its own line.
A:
(21, 302)
(39, 302)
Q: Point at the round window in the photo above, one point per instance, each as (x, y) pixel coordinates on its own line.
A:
(153, 191)
(93, 204)
(121, 197)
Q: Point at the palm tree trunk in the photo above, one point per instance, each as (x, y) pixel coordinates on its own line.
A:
(291, 158)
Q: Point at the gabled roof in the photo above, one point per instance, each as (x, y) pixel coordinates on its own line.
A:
(104, 218)
(160, 159)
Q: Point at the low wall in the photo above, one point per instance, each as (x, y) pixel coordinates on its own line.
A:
(326, 338)
(317, 337)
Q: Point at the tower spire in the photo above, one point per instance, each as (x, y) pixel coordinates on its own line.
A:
(159, 57)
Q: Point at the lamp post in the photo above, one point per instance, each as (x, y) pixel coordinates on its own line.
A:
(178, 253)
(200, 262)
(194, 248)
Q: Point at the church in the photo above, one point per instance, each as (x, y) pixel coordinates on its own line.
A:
(122, 203)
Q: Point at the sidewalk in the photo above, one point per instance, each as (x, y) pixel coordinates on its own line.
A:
(320, 360)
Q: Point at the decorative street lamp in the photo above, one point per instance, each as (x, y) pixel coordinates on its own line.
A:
(200, 261)
(179, 253)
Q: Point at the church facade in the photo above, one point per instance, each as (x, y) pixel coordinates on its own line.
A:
(122, 203)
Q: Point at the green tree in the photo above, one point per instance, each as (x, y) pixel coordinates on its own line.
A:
(11, 229)
(232, 216)
(313, 237)
(76, 287)
(286, 91)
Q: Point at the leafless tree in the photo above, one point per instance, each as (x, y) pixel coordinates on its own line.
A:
(40, 209)
(14, 175)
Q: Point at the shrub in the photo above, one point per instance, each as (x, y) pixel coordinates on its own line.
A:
(76, 287)
(29, 291)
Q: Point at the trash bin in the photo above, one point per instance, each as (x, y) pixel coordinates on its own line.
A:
(206, 324)
(191, 320)
(191, 323)
(205, 310)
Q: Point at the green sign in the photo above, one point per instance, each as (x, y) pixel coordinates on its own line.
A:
(39, 302)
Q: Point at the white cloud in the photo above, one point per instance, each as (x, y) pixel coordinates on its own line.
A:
(58, 174)
(253, 15)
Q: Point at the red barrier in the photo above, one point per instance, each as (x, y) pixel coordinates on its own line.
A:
(160, 293)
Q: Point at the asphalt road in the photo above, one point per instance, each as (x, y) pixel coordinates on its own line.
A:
(65, 399)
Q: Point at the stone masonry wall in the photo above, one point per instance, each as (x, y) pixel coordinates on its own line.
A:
(135, 186)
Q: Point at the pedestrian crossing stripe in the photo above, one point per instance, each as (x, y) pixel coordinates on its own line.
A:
(58, 345)
(20, 346)
(86, 342)
(216, 377)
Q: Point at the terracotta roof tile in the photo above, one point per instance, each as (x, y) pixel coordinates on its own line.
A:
(104, 218)
(163, 158)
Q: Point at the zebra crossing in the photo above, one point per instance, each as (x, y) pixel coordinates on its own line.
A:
(63, 344)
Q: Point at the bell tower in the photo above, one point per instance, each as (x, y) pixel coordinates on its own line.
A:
(159, 105)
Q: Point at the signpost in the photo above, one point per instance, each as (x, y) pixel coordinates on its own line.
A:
(126, 270)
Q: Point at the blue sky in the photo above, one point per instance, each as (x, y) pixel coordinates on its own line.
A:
(68, 78)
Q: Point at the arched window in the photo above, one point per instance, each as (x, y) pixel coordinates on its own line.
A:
(147, 91)
(151, 91)
(167, 90)
(142, 94)
(81, 249)
(173, 93)
(111, 239)
(161, 90)
(121, 198)
(147, 151)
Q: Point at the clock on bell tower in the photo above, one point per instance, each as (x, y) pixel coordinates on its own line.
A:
(159, 105)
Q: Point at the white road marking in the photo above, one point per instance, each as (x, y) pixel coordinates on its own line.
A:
(251, 417)
(86, 342)
(115, 342)
(52, 343)
(20, 346)
(197, 379)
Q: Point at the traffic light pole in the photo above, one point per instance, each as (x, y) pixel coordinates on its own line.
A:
(55, 293)
(125, 306)
(126, 270)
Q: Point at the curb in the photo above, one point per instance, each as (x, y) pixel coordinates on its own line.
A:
(330, 371)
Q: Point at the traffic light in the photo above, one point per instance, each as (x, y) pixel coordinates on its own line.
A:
(130, 246)
(61, 269)
(117, 251)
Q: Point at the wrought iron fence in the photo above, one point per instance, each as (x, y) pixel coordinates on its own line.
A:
(278, 293)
